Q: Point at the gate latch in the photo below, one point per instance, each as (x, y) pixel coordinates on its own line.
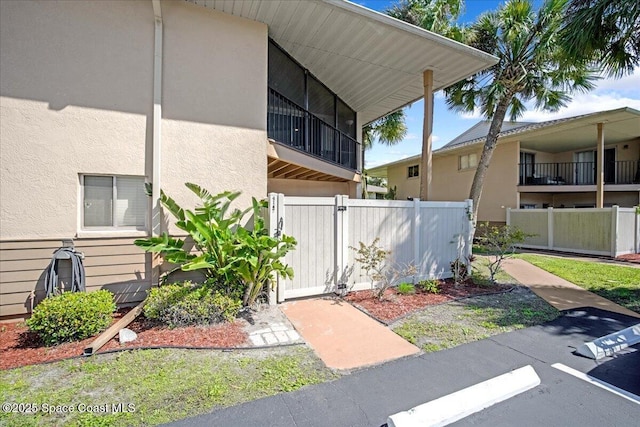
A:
(342, 208)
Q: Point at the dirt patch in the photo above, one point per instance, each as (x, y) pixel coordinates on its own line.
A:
(448, 325)
(395, 306)
(20, 347)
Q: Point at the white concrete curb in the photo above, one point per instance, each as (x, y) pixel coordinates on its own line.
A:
(609, 344)
(460, 404)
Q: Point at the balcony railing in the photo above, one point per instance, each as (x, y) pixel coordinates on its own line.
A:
(579, 173)
(292, 125)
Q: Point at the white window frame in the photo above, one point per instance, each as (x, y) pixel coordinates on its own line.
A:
(114, 230)
(410, 168)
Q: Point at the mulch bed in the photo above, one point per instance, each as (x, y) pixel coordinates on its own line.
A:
(395, 306)
(635, 258)
(19, 347)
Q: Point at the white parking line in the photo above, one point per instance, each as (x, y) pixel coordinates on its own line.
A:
(598, 383)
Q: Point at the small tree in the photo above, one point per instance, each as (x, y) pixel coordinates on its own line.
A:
(500, 242)
(533, 68)
(373, 259)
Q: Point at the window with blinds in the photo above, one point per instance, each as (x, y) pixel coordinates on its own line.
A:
(114, 202)
(468, 161)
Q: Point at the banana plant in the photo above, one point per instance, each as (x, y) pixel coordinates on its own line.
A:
(226, 251)
(258, 257)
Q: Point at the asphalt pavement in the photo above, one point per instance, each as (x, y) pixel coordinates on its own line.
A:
(367, 397)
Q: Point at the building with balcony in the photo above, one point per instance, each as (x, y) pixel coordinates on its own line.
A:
(99, 98)
(555, 163)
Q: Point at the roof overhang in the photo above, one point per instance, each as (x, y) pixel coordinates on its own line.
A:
(374, 62)
(619, 126)
(567, 134)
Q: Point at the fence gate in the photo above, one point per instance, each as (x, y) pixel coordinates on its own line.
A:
(429, 235)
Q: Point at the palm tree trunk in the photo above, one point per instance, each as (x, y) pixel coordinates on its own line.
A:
(487, 153)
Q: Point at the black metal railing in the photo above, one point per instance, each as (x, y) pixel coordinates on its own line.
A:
(292, 125)
(579, 173)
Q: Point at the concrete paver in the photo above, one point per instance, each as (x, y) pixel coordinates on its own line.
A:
(273, 333)
(343, 336)
(558, 292)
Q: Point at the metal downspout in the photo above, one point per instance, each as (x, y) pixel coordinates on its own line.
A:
(157, 121)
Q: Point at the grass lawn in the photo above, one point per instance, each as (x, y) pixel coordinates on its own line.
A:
(617, 283)
(448, 325)
(163, 385)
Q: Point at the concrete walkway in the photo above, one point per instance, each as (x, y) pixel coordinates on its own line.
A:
(558, 292)
(343, 336)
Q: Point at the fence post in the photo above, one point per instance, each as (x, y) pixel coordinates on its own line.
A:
(550, 231)
(637, 239)
(272, 212)
(416, 235)
(342, 240)
(614, 230)
(469, 226)
(508, 217)
(280, 226)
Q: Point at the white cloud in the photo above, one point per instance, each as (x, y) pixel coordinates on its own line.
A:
(418, 137)
(609, 94)
(387, 159)
(439, 95)
(584, 104)
(630, 83)
(476, 115)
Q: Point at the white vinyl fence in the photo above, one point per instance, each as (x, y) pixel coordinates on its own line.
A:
(429, 235)
(611, 231)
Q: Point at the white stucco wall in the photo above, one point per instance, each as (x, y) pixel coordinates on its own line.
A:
(214, 103)
(76, 86)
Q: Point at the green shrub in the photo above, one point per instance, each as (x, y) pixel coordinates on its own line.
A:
(185, 304)
(406, 288)
(431, 286)
(72, 316)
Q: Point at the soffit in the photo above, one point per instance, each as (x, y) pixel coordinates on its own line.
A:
(375, 63)
(565, 134)
(618, 125)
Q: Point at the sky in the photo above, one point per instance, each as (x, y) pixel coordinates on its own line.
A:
(609, 94)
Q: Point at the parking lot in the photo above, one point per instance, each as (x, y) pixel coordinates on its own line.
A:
(367, 397)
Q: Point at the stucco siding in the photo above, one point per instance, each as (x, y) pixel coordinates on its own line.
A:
(451, 184)
(299, 187)
(499, 192)
(406, 188)
(214, 103)
(625, 199)
(75, 97)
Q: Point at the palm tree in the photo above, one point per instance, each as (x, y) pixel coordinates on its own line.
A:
(437, 16)
(604, 31)
(388, 130)
(532, 66)
(433, 15)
